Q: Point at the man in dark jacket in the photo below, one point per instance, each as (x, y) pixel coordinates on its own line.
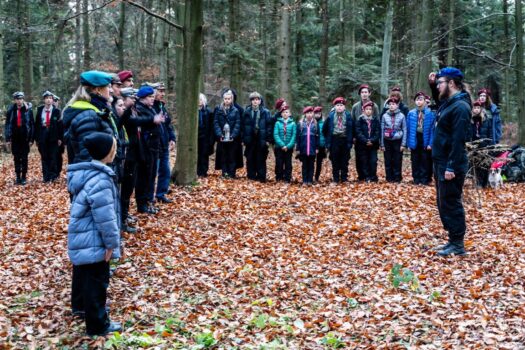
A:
(167, 143)
(255, 131)
(449, 154)
(19, 133)
(48, 136)
(338, 130)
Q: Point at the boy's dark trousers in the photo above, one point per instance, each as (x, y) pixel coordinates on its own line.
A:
(307, 168)
(361, 176)
(421, 160)
(49, 156)
(393, 160)
(256, 155)
(228, 164)
(283, 163)
(129, 179)
(146, 173)
(368, 161)
(88, 293)
(203, 158)
(339, 155)
(20, 151)
(319, 162)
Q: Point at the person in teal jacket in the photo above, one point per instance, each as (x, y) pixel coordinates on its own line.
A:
(318, 115)
(284, 134)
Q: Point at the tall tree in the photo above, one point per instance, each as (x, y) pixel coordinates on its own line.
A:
(284, 52)
(163, 44)
(520, 99)
(86, 35)
(235, 73)
(2, 80)
(424, 45)
(121, 35)
(299, 45)
(506, 34)
(387, 44)
(451, 34)
(323, 67)
(185, 169)
(25, 53)
(78, 36)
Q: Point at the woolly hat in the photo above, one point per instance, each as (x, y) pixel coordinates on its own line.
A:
(18, 94)
(363, 86)
(98, 144)
(339, 100)
(125, 75)
(484, 91)
(368, 104)
(308, 109)
(95, 78)
(450, 72)
(145, 91)
(318, 109)
(392, 99)
(279, 103)
(420, 94)
(47, 93)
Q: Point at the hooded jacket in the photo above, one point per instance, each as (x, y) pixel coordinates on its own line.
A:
(95, 212)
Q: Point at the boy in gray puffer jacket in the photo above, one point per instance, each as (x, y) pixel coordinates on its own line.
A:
(93, 232)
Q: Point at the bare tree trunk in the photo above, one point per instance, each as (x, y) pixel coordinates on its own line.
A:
(179, 50)
(235, 73)
(519, 73)
(185, 169)
(26, 63)
(425, 30)
(150, 43)
(452, 34)
(299, 50)
(323, 66)
(78, 38)
(352, 32)
(342, 38)
(85, 29)
(284, 52)
(387, 44)
(121, 35)
(163, 44)
(2, 92)
(506, 31)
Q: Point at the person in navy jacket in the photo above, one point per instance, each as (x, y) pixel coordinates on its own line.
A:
(493, 112)
(420, 134)
(227, 113)
(308, 144)
(368, 132)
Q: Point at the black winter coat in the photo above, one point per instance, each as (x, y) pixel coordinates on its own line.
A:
(482, 129)
(206, 132)
(134, 123)
(453, 129)
(167, 134)
(363, 136)
(80, 122)
(328, 129)
(150, 133)
(16, 134)
(51, 134)
(232, 118)
(249, 130)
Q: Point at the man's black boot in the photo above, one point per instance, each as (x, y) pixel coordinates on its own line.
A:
(442, 247)
(455, 248)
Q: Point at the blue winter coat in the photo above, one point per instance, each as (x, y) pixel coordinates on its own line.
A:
(95, 212)
(428, 128)
(497, 130)
(302, 138)
(328, 129)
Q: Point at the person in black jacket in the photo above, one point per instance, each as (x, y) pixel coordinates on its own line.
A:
(449, 154)
(482, 129)
(19, 133)
(368, 132)
(167, 144)
(206, 137)
(48, 136)
(255, 131)
(150, 134)
(227, 127)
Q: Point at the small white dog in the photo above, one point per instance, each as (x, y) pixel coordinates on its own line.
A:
(495, 179)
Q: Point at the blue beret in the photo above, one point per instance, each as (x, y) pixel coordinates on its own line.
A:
(95, 78)
(145, 91)
(450, 72)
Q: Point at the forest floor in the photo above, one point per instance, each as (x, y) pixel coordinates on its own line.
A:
(235, 264)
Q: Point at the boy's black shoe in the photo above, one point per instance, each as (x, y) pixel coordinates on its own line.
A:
(164, 199)
(457, 248)
(112, 328)
(129, 229)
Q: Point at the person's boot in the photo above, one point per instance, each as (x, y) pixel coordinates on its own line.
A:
(23, 181)
(129, 229)
(18, 180)
(442, 247)
(455, 248)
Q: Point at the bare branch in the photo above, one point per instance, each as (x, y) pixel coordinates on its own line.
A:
(151, 13)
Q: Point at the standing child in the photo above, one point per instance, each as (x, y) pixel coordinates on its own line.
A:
(93, 232)
(368, 131)
(393, 140)
(318, 115)
(482, 129)
(308, 144)
(284, 134)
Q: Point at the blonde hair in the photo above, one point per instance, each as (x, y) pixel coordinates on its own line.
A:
(203, 99)
(81, 94)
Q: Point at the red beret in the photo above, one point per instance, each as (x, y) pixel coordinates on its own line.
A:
(363, 86)
(339, 100)
(396, 88)
(392, 99)
(284, 108)
(419, 94)
(125, 75)
(308, 109)
(477, 103)
(368, 104)
(484, 91)
(318, 109)
(279, 103)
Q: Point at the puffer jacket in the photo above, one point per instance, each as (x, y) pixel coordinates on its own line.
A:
(428, 128)
(81, 119)
(393, 127)
(282, 140)
(95, 212)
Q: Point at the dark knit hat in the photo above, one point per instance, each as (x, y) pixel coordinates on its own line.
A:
(98, 144)
(339, 100)
(95, 78)
(125, 75)
(308, 109)
(363, 86)
(145, 91)
(318, 109)
(368, 104)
